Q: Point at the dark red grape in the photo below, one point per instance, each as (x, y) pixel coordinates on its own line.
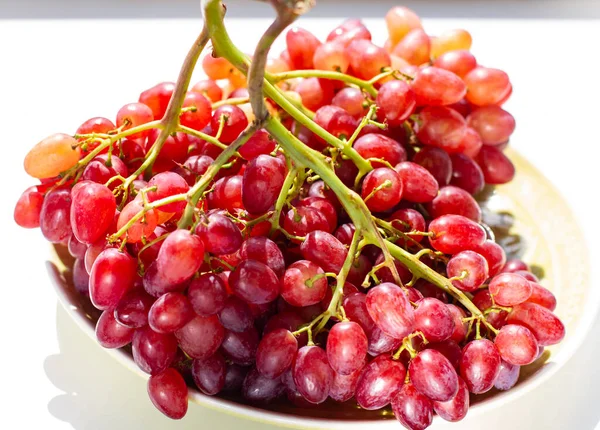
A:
(276, 353)
(209, 374)
(312, 374)
(169, 393)
(170, 312)
(153, 352)
(110, 333)
(201, 337)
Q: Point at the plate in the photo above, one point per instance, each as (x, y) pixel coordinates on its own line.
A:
(530, 219)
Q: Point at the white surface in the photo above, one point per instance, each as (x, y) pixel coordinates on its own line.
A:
(56, 74)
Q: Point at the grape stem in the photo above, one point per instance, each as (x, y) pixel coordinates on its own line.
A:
(284, 194)
(325, 74)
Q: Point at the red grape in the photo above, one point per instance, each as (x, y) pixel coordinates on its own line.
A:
(264, 250)
(509, 289)
(298, 287)
(471, 267)
(437, 87)
(236, 315)
(494, 255)
(324, 250)
(112, 275)
(132, 310)
(55, 216)
(412, 409)
(170, 312)
(168, 392)
(396, 102)
(276, 353)
(517, 345)
(437, 162)
(301, 46)
(507, 377)
(496, 167)
(479, 365)
(378, 146)
(433, 319)
(312, 374)
(455, 233)
(157, 98)
(493, 124)
(379, 382)
(346, 347)
(235, 122)
(263, 179)
(254, 282)
(209, 374)
(153, 352)
(219, 234)
(382, 189)
(92, 211)
(456, 408)
(418, 185)
(458, 62)
(110, 333)
(542, 296)
(390, 309)
(28, 208)
(486, 86)
(201, 337)
(432, 375)
(545, 326)
(466, 174)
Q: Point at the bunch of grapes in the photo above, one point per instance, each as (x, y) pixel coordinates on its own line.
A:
(332, 249)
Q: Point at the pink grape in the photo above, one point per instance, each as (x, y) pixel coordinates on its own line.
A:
(480, 365)
(110, 333)
(346, 347)
(168, 392)
(390, 309)
(201, 337)
(276, 353)
(433, 319)
(437, 87)
(432, 375)
(456, 408)
(517, 345)
(509, 289)
(379, 382)
(455, 233)
(471, 263)
(312, 374)
(412, 409)
(545, 326)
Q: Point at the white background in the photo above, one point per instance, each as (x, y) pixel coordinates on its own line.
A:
(56, 73)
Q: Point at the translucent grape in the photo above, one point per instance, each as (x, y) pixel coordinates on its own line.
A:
(51, 156)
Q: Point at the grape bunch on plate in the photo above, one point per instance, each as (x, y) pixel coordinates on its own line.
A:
(302, 227)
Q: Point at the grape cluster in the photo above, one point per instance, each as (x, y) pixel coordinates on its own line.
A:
(230, 264)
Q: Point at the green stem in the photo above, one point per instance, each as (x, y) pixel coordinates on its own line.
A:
(365, 85)
(283, 197)
(210, 139)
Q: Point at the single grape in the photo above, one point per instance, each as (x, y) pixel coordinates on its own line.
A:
(133, 115)
(418, 185)
(378, 146)
(400, 21)
(415, 47)
(343, 387)
(324, 250)
(234, 378)
(276, 353)
(51, 156)
(180, 256)
(92, 211)
(437, 87)
(382, 189)
(545, 326)
(254, 282)
(265, 251)
(263, 179)
(507, 377)
(28, 208)
(236, 315)
(153, 352)
(496, 167)
(219, 234)
(331, 56)
(494, 255)
(261, 143)
(169, 393)
(517, 345)
(442, 127)
(168, 184)
(217, 67)
(325, 207)
(110, 333)
(132, 310)
(367, 60)
(113, 274)
(455, 233)
(412, 409)
(483, 301)
(466, 174)
(407, 220)
(301, 45)
(487, 86)
(470, 267)
(509, 289)
(299, 286)
(459, 62)
(352, 100)
(157, 98)
(81, 278)
(312, 374)
(314, 92)
(390, 309)
(346, 347)
(227, 194)
(101, 169)
(494, 124)
(542, 296)
(170, 313)
(437, 162)
(55, 221)
(432, 375)
(449, 349)
(260, 389)
(433, 319)
(379, 382)
(234, 122)
(241, 348)
(301, 221)
(201, 337)
(356, 310)
(143, 227)
(209, 374)
(480, 365)
(199, 114)
(456, 408)
(209, 89)
(396, 102)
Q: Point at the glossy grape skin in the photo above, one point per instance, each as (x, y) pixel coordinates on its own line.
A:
(294, 289)
(352, 100)
(494, 124)
(227, 194)
(517, 345)
(254, 282)
(312, 374)
(276, 353)
(343, 386)
(336, 121)
(456, 408)
(449, 349)
(260, 389)
(236, 315)
(141, 228)
(455, 233)
(81, 278)
(180, 256)
(437, 162)
(542, 296)
(112, 275)
(545, 326)
(219, 234)
(51, 156)
(168, 184)
(374, 145)
(325, 207)
(301, 45)
(201, 337)
(331, 56)
(466, 174)
(314, 92)
(418, 185)
(507, 377)
(153, 352)
(216, 67)
(95, 125)
(209, 374)
(92, 211)
(28, 208)
(132, 115)
(132, 310)
(380, 343)
(346, 347)
(514, 265)
(157, 98)
(111, 334)
(400, 21)
(496, 167)
(459, 62)
(390, 309)
(407, 220)
(169, 393)
(442, 127)
(386, 197)
(479, 365)
(452, 200)
(324, 250)
(415, 47)
(200, 116)
(494, 255)
(356, 310)
(396, 102)
(55, 222)
(259, 144)
(265, 251)
(241, 348)
(235, 122)
(412, 409)
(486, 86)
(509, 289)
(379, 382)
(301, 221)
(432, 375)
(209, 88)
(433, 319)
(98, 171)
(170, 313)
(471, 262)
(437, 87)
(263, 179)
(366, 59)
